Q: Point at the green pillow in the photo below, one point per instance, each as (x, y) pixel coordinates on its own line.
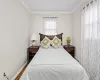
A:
(56, 42)
(45, 43)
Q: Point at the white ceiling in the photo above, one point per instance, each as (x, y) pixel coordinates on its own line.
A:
(52, 5)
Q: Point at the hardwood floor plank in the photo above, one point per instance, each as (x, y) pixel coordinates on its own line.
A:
(20, 74)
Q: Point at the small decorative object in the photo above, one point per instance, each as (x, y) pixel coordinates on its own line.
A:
(68, 40)
(33, 39)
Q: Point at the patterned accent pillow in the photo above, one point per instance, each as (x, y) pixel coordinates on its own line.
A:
(56, 42)
(45, 43)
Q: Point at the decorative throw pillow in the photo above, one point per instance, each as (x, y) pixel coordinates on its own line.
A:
(45, 43)
(56, 42)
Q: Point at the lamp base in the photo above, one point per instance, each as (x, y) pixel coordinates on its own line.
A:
(33, 43)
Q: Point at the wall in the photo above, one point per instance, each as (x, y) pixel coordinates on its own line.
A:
(14, 26)
(77, 33)
(64, 25)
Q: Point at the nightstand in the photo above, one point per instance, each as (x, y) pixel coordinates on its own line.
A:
(31, 51)
(70, 49)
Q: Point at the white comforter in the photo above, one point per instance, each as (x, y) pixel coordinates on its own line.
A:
(54, 64)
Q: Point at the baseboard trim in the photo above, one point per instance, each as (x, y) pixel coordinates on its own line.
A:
(19, 71)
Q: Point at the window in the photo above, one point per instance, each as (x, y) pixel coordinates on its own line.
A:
(50, 25)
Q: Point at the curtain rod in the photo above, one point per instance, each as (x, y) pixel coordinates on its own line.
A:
(50, 17)
(88, 4)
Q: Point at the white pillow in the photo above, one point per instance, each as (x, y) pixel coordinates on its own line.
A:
(56, 42)
(45, 43)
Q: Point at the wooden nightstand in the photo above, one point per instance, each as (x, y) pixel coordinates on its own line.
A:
(31, 51)
(70, 49)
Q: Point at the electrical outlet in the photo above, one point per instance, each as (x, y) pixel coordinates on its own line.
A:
(5, 76)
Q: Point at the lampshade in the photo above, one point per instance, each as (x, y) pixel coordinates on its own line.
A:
(33, 37)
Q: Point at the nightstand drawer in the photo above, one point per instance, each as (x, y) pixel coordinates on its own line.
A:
(32, 54)
(33, 50)
(69, 49)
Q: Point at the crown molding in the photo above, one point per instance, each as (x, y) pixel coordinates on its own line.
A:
(43, 12)
(22, 2)
(79, 6)
(51, 12)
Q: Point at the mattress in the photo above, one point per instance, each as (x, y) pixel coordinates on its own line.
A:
(54, 64)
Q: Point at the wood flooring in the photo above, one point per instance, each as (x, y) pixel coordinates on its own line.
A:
(20, 74)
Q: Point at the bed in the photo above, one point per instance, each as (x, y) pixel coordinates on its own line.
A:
(54, 64)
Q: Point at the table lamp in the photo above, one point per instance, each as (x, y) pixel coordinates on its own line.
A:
(33, 39)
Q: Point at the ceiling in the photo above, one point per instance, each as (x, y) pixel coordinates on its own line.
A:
(51, 5)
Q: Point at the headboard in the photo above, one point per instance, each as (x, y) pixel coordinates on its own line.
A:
(42, 36)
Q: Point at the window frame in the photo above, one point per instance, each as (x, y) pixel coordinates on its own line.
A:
(54, 30)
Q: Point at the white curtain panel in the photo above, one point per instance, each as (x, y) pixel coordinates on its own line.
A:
(90, 39)
(50, 25)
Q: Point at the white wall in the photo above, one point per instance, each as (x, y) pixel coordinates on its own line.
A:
(14, 26)
(77, 33)
(64, 25)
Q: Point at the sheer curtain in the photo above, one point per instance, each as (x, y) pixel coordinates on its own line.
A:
(50, 25)
(90, 39)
